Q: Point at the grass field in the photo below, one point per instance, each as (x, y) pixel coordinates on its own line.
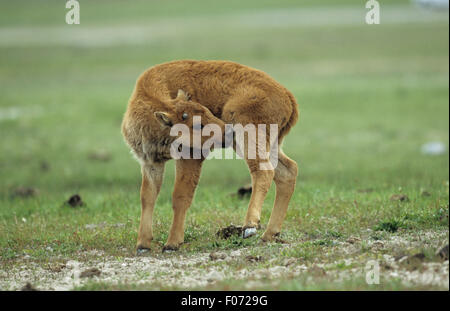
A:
(369, 96)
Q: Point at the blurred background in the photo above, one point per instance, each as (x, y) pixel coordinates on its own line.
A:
(370, 96)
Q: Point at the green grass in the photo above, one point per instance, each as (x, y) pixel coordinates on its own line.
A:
(301, 284)
(369, 97)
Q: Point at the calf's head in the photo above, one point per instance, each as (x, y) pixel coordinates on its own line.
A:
(183, 113)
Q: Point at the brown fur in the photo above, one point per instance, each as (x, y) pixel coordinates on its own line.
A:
(220, 92)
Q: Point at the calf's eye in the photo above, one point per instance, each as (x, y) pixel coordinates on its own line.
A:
(185, 116)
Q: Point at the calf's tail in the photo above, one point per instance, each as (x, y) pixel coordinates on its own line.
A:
(293, 118)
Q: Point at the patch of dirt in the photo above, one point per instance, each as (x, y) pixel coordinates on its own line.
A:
(90, 273)
(251, 258)
(425, 193)
(443, 252)
(24, 192)
(353, 240)
(199, 270)
(227, 232)
(244, 191)
(100, 155)
(367, 190)
(317, 271)
(56, 267)
(75, 201)
(289, 262)
(418, 256)
(103, 225)
(44, 166)
(413, 262)
(28, 288)
(279, 240)
(217, 256)
(399, 197)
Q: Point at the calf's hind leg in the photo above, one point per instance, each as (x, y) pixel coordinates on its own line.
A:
(261, 181)
(152, 177)
(285, 178)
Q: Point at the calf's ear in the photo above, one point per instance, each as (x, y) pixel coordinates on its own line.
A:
(182, 95)
(163, 118)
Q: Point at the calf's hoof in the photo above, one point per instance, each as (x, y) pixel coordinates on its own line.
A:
(169, 248)
(248, 232)
(269, 236)
(142, 251)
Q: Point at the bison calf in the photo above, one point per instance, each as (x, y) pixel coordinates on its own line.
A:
(220, 92)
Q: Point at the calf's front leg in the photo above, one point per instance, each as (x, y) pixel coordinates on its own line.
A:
(186, 179)
(152, 177)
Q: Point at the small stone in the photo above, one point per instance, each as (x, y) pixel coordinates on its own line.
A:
(72, 264)
(434, 148)
(213, 276)
(95, 226)
(236, 253)
(402, 259)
